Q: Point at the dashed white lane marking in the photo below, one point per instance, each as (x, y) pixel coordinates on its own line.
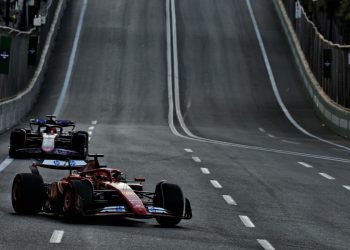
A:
(188, 150)
(271, 136)
(90, 133)
(265, 244)
(91, 128)
(229, 200)
(94, 122)
(5, 163)
(56, 236)
(215, 184)
(262, 130)
(346, 187)
(246, 221)
(291, 142)
(196, 159)
(327, 176)
(205, 171)
(305, 164)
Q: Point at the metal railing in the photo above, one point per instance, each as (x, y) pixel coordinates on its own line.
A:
(329, 62)
(20, 72)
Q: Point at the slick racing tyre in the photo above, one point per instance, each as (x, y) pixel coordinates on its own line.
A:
(81, 143)
(169, 196)
(77, 198)
(28, 193)
(17, 140)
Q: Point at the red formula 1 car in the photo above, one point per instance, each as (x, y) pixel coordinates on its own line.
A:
(95, 190)
(49, 138)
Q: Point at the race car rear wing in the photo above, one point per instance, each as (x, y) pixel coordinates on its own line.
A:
(62, 123)
(58, 165)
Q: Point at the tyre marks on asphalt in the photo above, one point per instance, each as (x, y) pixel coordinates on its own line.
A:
(263, 131)
(247, 222)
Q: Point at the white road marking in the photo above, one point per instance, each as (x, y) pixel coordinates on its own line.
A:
(262, 130)
(346, 187)
(215, 184)
(274, 85)
(265, 244)
(91, 128)
(72, 60)
(90, 133)
(94, 122)
(246, 221)
(270, 135)
(205, 171)
(170, 11)
(5, 163)
(327, 176)
(229, 200)
(188, 150)
(196, 159)
(305, 164)
(56, 236)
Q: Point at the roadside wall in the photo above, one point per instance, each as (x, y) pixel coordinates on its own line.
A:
(334, 116)
(19, 88)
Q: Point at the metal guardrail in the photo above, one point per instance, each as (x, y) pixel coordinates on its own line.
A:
(15, 108)
(329, 62)
(333, 115)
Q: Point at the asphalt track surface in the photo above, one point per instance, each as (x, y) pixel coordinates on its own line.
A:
(254, 180)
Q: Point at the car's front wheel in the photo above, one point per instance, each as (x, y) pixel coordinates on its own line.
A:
(170, 197)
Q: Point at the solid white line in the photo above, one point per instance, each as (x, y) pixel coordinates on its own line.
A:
(274, 85)
(176, 72)
(305, 164)
(5, 163)
(196, 159)
(190, 136)
(188, 150)
(56, 236)
(327, 176)
(94, 122)
(346, 187)
(262, 130)
(91, 128)
(205, 171)
(71, 61)
(229, 200)
(215, 184)
(265, 244)
(246, 221)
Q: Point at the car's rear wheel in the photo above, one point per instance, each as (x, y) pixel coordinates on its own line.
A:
(170, 197)
(28, 193)
(17, 140)
(77, 198)
(81, 143)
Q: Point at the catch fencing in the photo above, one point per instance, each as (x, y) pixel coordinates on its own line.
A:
(329, 62)
(20, 68)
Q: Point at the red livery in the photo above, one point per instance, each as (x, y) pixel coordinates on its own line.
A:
(95, 190)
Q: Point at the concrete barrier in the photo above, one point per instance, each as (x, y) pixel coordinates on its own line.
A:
(334, 116)
(13, 109)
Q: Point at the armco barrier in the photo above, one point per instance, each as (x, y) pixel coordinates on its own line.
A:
(15, 108)
(334, 116)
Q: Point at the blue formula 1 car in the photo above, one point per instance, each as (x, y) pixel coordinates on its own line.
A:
(49, 138)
